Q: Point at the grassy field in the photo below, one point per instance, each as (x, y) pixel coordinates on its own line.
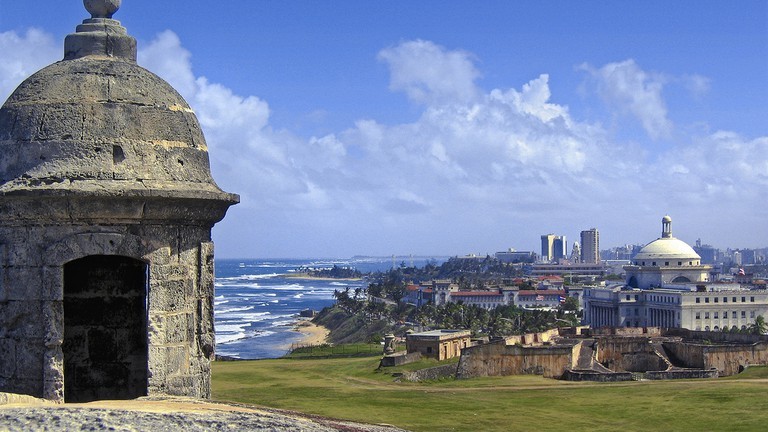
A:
(352, 388)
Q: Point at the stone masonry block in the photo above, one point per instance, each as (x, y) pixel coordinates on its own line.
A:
(170, 296)
(22, 283)
(156, 328)
(52, 283)
(22, 248)
(53, 317)
(159, 256)
(8, 358)
(21, 319)
(205, 285)
(29, 359)
(179, 328)
(172, 272)
(166, 361)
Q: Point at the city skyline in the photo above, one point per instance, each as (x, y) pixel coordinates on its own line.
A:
(359, 128)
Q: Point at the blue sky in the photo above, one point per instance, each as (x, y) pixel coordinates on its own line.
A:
(426, 127)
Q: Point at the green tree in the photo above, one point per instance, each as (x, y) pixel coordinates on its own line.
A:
(759, 326)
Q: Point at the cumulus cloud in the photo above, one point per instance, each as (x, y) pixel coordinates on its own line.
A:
(24, 54)
(625, 86)
(428, 73)
(476, 167)
(167, 58)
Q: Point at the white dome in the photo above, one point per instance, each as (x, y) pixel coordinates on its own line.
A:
(667, 248)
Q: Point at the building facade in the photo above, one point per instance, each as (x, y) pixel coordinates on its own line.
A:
(590, 246)
(438, 344)
(716, 307)
(668, 286)
(513, 256)
(553, 248)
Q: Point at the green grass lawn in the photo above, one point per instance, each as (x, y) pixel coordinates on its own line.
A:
(352, 388)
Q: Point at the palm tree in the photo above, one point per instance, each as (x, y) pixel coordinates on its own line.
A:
(759, 326)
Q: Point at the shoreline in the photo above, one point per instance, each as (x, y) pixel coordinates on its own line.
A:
(311, 334)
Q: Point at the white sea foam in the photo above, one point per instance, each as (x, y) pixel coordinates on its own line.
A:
(234, 309)
(246, 277)
(247, 316)
(298, 296)
(291, 287)
(222, 339)
(283, 323)
(237, 327)
(230, 332)
(264, 333)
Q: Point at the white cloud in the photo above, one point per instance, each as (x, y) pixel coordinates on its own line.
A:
(477, 167)
(430, 74)
(697, 85)
(627, 87)
(165, 56)
(23, 55)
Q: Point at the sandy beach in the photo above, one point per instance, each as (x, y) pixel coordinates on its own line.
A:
(311, 333)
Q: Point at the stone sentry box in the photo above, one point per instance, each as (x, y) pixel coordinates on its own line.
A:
(106, 209)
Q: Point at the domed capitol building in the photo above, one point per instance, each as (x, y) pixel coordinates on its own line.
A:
(667, 286)
(666, 260)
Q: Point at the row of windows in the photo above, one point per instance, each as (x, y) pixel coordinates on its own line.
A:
(725, 299)
(666, 263)
(628, 312)
(656, 298)
(725, 315)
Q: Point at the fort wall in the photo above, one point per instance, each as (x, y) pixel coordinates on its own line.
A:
(499, 359)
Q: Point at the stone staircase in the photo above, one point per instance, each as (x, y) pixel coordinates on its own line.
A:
(587, 360)
(659, 350)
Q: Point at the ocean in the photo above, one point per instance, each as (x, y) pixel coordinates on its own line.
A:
(257, 302)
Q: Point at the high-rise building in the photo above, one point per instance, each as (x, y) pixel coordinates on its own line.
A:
(547, 247)
(553, 248)
(590, 246)
(560, 248)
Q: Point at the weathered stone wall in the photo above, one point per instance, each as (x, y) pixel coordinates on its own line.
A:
(180, 296)
(681, 374)
(727, 359)
(580, 375)
(434, 373)
(440, 349)
(399, 358)
(641, 362)
(628, 354)
(531, 339)
(626, 331)
(716, 336)
(689, 355)
(498, 359)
